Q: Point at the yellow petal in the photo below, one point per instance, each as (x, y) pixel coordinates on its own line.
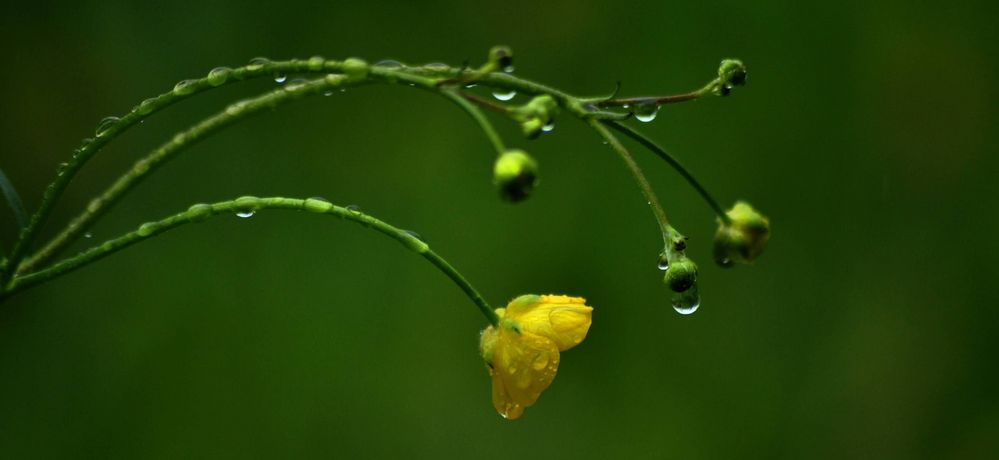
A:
(563, 319)
(523, 366)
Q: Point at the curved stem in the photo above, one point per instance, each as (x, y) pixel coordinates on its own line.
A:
(200, 212)
(235, 112)
(662, 153)
(479, 117)
(183, 90)
(643, 183)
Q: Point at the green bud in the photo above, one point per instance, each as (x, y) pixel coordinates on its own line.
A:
(744, 239)
(501, 56)
(681, 274)
(732, 72)
(532, 127)
(516, 175)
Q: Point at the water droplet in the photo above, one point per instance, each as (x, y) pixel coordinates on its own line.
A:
(504, 95)
(540, 361)
(297, 84)
(257, 63)
(353, 208)
(280, 78)
(663, 262)
(687, 302)
(646, 112)
(328, 92)
(508, 69)
(146, 106)
(548, 127)
(106, 124)
(146, 229)
(319, 205)
(413, 234)
(316, 63)
(88, 235)
(389, 64)
(245, 213)
(471, 85)
(184, 87)
(219, 75)
(437, 67)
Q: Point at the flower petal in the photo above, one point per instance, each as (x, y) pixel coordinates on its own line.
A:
(563, 319)
(523, 366)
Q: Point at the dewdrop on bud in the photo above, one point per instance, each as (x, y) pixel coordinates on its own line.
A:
(744, 238)
(681, 274)
(516, 175)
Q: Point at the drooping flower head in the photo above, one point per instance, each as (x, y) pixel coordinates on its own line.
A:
(522, 352)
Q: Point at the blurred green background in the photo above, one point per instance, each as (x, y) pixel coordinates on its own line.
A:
(869, 330)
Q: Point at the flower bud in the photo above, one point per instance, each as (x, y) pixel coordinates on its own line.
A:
(744, 238)
(532, 127)
(732, 72)
(681, 274)
(516, 174)
(501, 56)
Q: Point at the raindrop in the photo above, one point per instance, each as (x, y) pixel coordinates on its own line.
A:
(245, 214)
(328, 92)
(646, 112)
(471, 85)
(296, 84)
(548, 127)
(437, 67)
(508, 69)
(184, 87)
(257, 63)
(218, 75)
(663, 262)
(413, 234)
(389, 63)
(316, 62)
(504, 96)
(687, 301)
(353, 208)
(88, 235)
(146, 106)
(105, 125)
(280, 78)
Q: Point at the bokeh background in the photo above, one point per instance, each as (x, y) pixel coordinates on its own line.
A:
(869, 330)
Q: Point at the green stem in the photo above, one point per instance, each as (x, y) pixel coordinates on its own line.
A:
(183, 90)
(200, 212)
(662, 153)
(479, 117)
(643, 183)
(235, 112)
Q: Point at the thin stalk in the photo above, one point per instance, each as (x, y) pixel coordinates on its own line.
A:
(200, 212)
(643, 183)
(183, 90)
(479, 117)
(235, 112)
(662, 153)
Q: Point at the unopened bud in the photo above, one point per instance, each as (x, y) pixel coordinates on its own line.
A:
(681, 274)
(516, 175)
(744, 238)
(502, 56)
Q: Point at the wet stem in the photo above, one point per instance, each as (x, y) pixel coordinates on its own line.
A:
(22, 271)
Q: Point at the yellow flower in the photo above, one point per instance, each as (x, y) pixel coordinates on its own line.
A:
(522, 353)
